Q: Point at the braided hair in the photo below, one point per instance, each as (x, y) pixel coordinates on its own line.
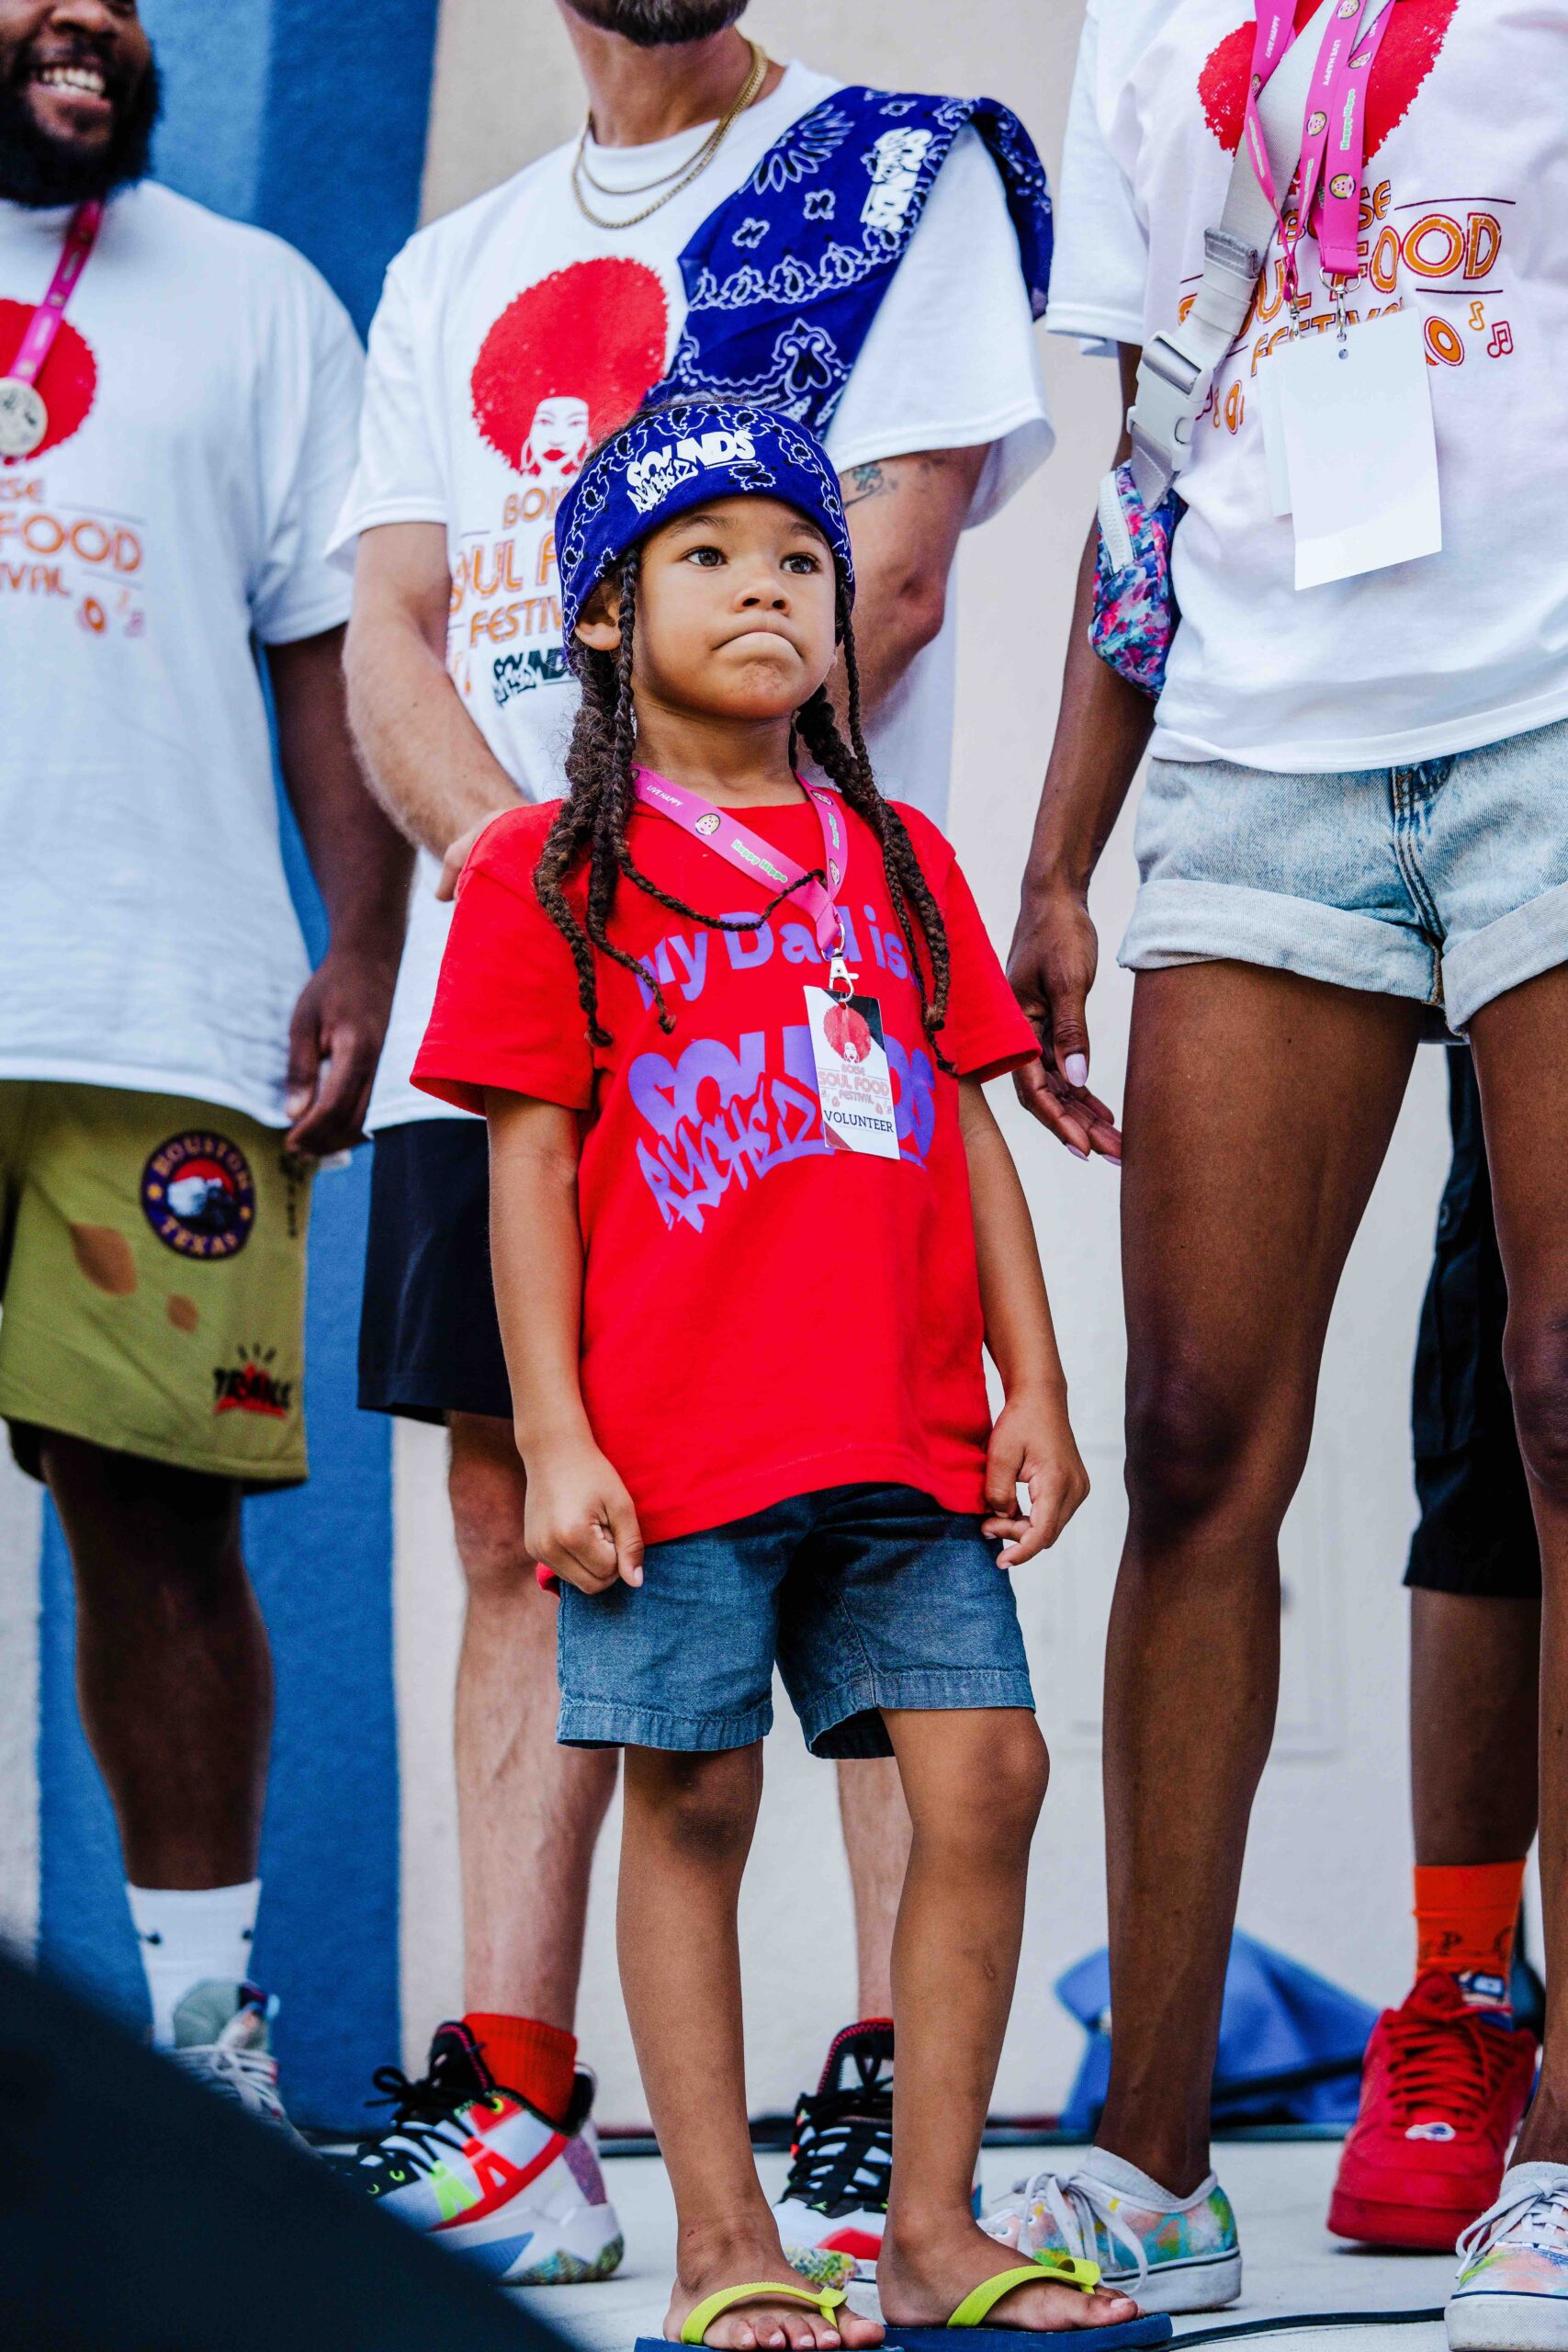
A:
(590, 826)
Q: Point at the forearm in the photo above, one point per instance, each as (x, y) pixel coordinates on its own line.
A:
(428, 765)
(1019, 1336)
(1102, 732)
(536, 1264)
(361, 864)
(1103, 726)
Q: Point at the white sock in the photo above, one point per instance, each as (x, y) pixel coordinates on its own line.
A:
(1118, 2173)
(186, 1935)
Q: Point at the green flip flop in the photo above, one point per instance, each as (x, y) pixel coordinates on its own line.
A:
(701, 2317)
(1067, 2270)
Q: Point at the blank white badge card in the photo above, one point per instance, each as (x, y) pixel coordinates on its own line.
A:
(1356, 414)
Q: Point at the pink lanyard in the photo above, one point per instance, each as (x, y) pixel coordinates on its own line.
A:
(1335, 132)
(44, 325)
(720, 830)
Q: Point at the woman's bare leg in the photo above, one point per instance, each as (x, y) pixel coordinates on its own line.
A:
(1258, 1109)
(1521, 1044)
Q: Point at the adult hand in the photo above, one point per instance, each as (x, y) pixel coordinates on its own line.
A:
(579, 1520)
(334, 1043)
(458, 853)
(1032, 1445)
(1051, 966)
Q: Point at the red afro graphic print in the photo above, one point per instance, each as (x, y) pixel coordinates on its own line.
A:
(1409, 51)
(567, 362)
(69, 379)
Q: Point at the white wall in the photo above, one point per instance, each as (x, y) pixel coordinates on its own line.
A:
(1328, 1876)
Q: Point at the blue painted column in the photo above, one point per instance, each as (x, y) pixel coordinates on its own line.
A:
(310, 122)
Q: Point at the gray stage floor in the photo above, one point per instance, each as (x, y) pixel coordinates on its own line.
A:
(1281, 2194)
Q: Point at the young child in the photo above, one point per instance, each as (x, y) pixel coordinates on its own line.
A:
(752, 1219)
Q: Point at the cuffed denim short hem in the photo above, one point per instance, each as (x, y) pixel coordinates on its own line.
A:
(1516, 948)
(1445, 882)
(848, 1721)
(1205, 923)
(606, 1723)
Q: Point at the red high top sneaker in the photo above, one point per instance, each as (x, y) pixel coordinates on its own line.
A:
(1444, 2085)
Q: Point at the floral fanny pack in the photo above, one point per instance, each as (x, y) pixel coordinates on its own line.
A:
(1135, 611)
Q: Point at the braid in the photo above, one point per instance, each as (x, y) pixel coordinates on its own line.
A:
(848, 766)
(601, 770)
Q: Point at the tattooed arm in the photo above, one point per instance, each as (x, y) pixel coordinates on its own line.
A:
(905, 514)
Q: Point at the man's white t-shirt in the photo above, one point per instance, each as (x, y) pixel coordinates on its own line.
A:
(203, 397)
(513, 334)
(1465, 193)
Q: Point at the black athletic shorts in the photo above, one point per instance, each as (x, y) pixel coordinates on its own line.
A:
(1476, 1534)
(429, 1341)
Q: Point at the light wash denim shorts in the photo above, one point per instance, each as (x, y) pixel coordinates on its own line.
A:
(866, 1597)
(1446, 882)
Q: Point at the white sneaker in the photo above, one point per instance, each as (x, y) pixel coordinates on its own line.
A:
(833, 2209)
(1512, 2290)
(480, 2171)
(221, 2040)
(1169, 2255)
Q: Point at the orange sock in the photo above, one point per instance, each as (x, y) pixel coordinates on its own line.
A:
(537, 2061)
(1465, 1917)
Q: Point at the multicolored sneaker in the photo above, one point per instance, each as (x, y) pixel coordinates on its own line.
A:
(1512, 2290)
(482, 2172)
(1445, 2082)
(834, 2206)
(1170, 2257)
(221, 2040)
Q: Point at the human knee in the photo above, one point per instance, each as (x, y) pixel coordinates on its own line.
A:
(704, 1807)
(1189, 1443)
(149, 1542)
(487, 1502)
(1536, 1356)
(988, 1812)
(1017, 1773)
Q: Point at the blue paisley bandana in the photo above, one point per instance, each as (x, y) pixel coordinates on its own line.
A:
(668, 460)
(785, 279)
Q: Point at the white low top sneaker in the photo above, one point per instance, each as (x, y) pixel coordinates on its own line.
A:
(1169, 2254)
(478, 2169)
(1512, 2290)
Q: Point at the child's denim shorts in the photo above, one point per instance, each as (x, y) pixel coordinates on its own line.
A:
(865, 1597)
(1446, 881)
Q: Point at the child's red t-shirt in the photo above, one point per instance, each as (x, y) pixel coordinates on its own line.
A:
(762, 1317)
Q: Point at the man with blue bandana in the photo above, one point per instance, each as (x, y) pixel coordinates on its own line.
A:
(870, 262)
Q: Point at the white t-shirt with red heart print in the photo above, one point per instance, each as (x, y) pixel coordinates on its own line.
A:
(203, 396)
(1464, 201)
(515, 332)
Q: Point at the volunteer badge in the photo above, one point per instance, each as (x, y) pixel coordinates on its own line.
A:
(199, 1195)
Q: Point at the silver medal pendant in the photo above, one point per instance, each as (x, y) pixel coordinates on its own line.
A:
(24, 418)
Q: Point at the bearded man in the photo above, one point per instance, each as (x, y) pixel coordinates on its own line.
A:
(177, 404)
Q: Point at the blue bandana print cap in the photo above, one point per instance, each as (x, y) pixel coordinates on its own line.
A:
(668, 460)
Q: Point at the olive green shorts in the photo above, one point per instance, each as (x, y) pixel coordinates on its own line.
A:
(152, 1279)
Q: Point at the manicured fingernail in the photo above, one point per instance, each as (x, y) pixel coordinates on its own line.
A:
(1076, 1152)
(1076, 1069)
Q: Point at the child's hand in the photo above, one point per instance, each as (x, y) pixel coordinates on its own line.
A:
(1032, 1445)
(580, 1520)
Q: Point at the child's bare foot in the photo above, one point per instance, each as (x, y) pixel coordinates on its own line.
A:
(764, 2323)
(923, 2277)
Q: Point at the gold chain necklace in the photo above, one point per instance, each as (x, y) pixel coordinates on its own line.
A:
(683, 174)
